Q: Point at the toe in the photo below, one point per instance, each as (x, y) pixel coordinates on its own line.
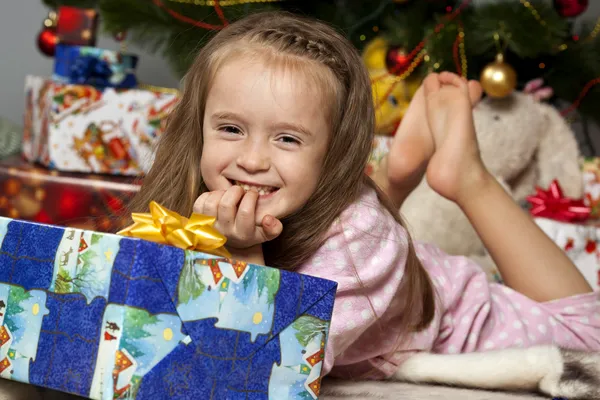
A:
(431, 83)
(475, 91)
(448, 78)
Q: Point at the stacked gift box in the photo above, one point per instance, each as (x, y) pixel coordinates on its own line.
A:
(89, 131)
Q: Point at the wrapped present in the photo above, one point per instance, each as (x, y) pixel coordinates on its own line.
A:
(380, 147)
(85, 129)
(92, 202)
(569, 223)
(105, 316)
(82, 65)
(591, 184)
(77, 26)
(581, 242)
(554, 205)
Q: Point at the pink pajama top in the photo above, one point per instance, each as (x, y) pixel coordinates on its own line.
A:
(472, 314)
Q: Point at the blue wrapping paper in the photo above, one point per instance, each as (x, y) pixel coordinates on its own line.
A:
(111, 317)
(82, 65)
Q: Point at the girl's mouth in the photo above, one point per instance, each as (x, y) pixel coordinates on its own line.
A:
(262, 190)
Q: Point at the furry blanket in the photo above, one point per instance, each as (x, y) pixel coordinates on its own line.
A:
(334, 389)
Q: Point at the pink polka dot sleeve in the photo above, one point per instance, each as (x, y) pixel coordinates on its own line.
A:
(365, 252)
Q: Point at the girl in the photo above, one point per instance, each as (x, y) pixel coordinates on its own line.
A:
(272, 136)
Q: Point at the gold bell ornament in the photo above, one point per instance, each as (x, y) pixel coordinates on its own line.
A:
(498, 78)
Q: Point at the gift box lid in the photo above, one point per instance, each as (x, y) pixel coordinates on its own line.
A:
(106, 316)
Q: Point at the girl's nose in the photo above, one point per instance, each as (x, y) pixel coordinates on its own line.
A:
(254, 158)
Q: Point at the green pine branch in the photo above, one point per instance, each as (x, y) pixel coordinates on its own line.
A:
(525, 40)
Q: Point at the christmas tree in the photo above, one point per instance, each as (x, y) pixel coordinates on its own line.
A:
(516, 40)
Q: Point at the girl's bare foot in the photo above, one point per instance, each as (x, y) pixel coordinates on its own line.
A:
(412, 148)
(456, 160)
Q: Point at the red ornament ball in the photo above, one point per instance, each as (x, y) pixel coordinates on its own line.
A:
(47, 41)
(397, 60)
(42, 217)
(73, 204)
(570, 8)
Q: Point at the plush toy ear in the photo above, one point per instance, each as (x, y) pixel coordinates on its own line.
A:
(558, 155)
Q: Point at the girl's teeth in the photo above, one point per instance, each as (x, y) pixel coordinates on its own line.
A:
(261, 190)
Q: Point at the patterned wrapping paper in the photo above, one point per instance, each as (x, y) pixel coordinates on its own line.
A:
(111, 317)
(581, 242)
(34, 193)
(381, 146)
(591, 184)
(84, 129)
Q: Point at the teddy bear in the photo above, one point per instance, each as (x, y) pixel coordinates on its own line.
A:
(525, 143)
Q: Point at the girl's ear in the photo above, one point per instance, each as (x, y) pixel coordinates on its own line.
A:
(558, 155)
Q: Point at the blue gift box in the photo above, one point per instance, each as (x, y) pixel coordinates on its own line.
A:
(83, 65)
(109, 317)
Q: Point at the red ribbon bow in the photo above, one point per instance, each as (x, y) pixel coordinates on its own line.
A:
(552, 204)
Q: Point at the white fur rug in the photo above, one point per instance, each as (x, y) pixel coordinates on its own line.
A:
(332, 390)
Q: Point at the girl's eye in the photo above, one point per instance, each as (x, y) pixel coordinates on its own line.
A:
(289, 140)
(231, 129)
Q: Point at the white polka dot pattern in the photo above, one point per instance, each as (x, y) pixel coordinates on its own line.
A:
(365, 252)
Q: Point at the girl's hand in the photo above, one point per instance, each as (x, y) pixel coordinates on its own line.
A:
(236, 213)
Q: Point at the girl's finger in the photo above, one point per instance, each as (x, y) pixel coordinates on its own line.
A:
(244, 220)
(272, 227)
(228, 205)
(199, 203)
(211, 205)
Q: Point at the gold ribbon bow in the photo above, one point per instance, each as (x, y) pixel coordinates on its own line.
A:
(164, 226)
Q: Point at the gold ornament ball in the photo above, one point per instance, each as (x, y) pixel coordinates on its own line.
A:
(498, 79)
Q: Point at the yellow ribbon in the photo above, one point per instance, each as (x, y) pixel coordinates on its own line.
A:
(164, 226)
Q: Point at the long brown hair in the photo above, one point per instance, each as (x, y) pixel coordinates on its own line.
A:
(175, 180)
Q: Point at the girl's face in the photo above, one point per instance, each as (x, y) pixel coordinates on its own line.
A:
(267, 128)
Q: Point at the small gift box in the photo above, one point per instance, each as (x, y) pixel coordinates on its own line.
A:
(106, 316)
(82, 128)
(567, 222)
(379, 149)
(581, 242)
(94, 202)
(77, 26)
(591, 184)
(101, 68)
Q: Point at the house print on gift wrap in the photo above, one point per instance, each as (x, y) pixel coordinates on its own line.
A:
(84, 263)
(302, 355)
(238, 295)
(20, 326)
(5, 342)
(123, 374)
(132, 342)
